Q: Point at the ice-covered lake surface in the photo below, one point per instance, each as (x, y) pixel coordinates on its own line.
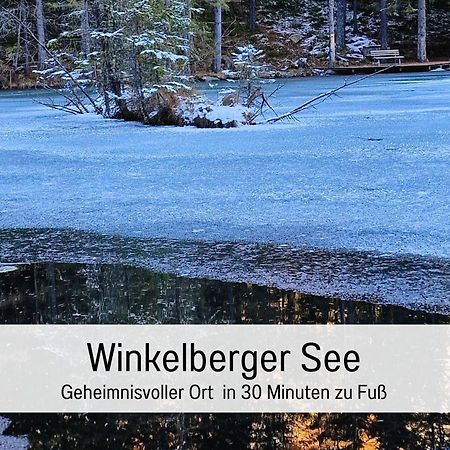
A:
(365, 174)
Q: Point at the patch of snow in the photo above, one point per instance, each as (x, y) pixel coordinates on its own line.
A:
(6, 269)
(308, 31)
(4, 424)
(226, 91)
(200, 107)
(227, 113)
(356, 44)
(230, 73)
(11, 442)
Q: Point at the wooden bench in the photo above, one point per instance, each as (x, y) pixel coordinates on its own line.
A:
(386, 55)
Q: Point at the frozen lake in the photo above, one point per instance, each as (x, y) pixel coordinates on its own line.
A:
(367, 171)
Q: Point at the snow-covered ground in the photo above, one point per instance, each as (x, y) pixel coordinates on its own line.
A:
(369, 170)
(310, 32)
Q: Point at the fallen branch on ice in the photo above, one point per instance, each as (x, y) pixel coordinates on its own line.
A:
(322, 97)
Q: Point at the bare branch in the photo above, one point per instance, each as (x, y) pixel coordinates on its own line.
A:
(322, 97)
(264, 103)
(53, 105)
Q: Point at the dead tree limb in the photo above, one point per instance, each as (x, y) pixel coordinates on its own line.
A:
(322, 97)
(263, 103)
(70, 101)
(53, 105)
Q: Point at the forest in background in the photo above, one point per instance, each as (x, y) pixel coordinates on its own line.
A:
(294, 34)
(140, 56)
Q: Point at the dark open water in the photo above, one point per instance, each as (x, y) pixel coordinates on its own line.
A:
(63, 293)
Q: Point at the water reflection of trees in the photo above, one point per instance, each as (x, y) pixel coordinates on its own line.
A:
(234, 431)
(63, 293)
(75, 293)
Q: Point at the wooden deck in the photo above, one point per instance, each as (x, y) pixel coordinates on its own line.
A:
(404, 67)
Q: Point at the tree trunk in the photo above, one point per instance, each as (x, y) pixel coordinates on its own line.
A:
(422, 31)
(217, 63)
(40, 27)
(26, 51)
(188, 36)
(341, 18)
(383, 24)
(355, 16)
(22, 21)
(85, 30)
(251, 15)
(331, 24)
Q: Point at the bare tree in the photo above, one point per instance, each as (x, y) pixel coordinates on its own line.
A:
(422, 30)
(217, 62)
(40, 27)
(332, 36)
(383, 24)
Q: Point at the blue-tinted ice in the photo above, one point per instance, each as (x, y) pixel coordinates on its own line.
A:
(366, 171)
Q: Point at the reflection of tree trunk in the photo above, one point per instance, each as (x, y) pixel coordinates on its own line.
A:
(36, 295)
(383, 24)
(40, 26)
(340, 23)
(182, 441)
(372, 314)
(126, 286)
(342, 317)
(290, 307)
(237, 299)
(422, 31)
(351, 313)
(163, 435)
(231, 305)
(178, 314)
(332, 37)
(217, 63)
(52, 291)
(433, 433)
